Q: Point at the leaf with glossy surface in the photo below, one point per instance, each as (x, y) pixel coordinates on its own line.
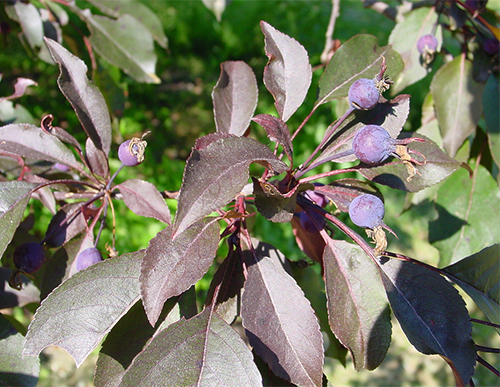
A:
(431, 312)
(172, 264)
(358, 310)
(144, 199)
(458, 102)
(235, 97)
(81, 311)
(359, 57)
(468, 215)
(281, 324)
(479, 276)
(84, 96)
(14, 369)
(277, 131)
(14, 197)
(394, 174)
(288, 73)
(202, 351)
(216, 173)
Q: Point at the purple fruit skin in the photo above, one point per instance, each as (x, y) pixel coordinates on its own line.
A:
(29, 257)
(428, 40)
(125, 156)
(61, 167)
(372, 144)
(87, 258)
(363, 94)
(309, 224)
(367, 211)
(491, 46)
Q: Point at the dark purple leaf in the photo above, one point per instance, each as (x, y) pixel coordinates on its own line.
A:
(144, 199)
(234, 97)
(288, 73)
(30, 141)
(358, 310)
(215, 174)
(431, 312)
(9, 297)
(277, 131)
(311, 243)
(172, 264)
(14, 197)
(202, 351)
(96, 159)
(80, 312)
(281, 324)
(394, 173)
(84, 96)
(341, 192)
(67, 223)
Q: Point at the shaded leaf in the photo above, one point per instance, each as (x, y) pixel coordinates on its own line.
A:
(288, 73)
(438, 166)
(139, 11)
(404, 38)
(14, 369)
(96, 159)
(80, 312)
(125, 43)
(281, 324)
(31, 142)
(468, 215)
(235, 97)
(431, 312)
(9, 297)
(172, 264)
(85, 97)
(67, 223)
(196, 352)
(215, 174)
(358, 310)
(311, 243)
(458, 102)
(359, 57)
(491, 101)
(144, 199)
(277, 131)
(342, 192)
(14, 197)
(479, 276)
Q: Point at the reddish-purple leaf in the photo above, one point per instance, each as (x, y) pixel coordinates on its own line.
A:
(311, 243)
(96, 159)
(277, 131)
(281, 324)
(394, 174)
(215, 174)
(20, 87)
(84, 96)
(81, 311)
(144, 199)
(196, 352)
(234, 97)
(172, 264)
(358, 310)
(288, 73)
(431, 312)
(343, 191)
(67, 223)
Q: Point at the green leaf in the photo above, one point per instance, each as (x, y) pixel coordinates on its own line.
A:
(79, 313)
(14, 197)
(458, 102)
(479, 276)
(138, 10)
(491, 102)
(196, 352)
(468, 215)
(359, 57)
(404, 38)
(14, 369)
(358, 310)
(125, 43)
(431, 312)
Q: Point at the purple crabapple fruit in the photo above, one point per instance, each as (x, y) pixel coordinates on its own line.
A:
(427, 43)
(87, 258)
(61, 167)
(372, 144)
(367, 211)
(491, 46)
(363, 94)
(29, 257)
(131, 152)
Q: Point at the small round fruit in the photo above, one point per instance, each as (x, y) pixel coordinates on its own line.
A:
(61, 167)
(491, 46)
(88, 257)
(127, 157)
(372, 144)
(363, 94)
(312, 223)
(367, 211)
(29, 257)
(427, 43)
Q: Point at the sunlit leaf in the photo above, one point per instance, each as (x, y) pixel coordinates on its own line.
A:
(342, 192)
(216, 6)
(28, 16)
(277, 131)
